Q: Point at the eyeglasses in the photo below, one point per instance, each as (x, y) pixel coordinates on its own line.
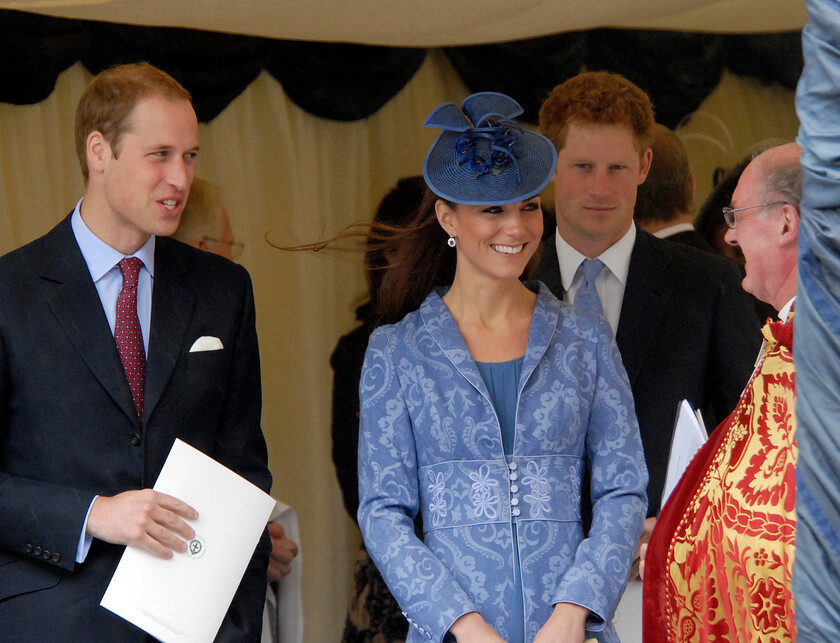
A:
(731, 219)
(236, 247)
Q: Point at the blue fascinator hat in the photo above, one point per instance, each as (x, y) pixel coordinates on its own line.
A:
(482, 157)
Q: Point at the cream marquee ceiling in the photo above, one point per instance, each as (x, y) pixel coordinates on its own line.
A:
(429, 23)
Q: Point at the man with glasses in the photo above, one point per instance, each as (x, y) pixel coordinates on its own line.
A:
(720, 559)
(205, 223)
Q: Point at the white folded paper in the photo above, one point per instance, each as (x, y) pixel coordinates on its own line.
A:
(689, 435)
(186, 597)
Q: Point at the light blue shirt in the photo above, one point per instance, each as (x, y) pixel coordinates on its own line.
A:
(103, 263)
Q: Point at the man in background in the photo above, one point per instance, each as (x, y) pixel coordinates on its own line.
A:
(664, 202)
(205, 224)
(683, 325)
(682, 322)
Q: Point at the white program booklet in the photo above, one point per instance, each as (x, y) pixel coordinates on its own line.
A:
(689, 435)
(186, 597)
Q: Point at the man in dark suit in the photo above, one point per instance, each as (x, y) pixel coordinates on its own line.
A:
(664, 201)
(87, 420)
(684, 326)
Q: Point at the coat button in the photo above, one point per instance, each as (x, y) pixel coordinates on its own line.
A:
(514, 488)
(514, 501)
(37, 550)
(513, 475)
(46, 554)
(136, 439)
(512, 466)
(514, 511)
(56, 557)
(28, 548)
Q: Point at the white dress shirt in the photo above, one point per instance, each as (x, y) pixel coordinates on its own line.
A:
(671, 230)
(610, 283)
(103, 263)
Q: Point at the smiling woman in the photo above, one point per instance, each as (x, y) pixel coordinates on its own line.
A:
(461, 416)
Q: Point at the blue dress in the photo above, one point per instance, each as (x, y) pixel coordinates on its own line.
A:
(501, 379)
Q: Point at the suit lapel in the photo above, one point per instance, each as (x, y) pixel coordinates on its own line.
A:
(645, 297)
(172, 305)
(549, 270)
(77, 307)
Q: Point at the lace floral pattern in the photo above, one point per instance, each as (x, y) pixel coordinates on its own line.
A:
(437, 507)
(430, 442)
(537, 480)
(485, 496)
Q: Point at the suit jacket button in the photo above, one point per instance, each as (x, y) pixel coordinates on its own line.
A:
(46, 554)
(28, 548)
(56, 557)
(37, 550)
(136, 439)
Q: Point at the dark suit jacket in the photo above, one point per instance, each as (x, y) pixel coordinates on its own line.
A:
(686, 331)
(692, 238)
(68, 428)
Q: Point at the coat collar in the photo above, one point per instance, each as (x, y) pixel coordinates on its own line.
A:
(645, 298)
(646, 295)
(444, 331)
(173, 300)
(76, 305)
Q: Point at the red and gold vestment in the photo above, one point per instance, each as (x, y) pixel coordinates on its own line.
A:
(719, 562)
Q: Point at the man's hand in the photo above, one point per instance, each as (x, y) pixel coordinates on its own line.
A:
(472, 628)
(142, 518)
(567, 624)
(643, 553)
(635, 572)
(283, 550)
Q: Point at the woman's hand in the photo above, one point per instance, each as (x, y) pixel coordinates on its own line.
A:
(565, 625)
(472, 628)
(642, 554)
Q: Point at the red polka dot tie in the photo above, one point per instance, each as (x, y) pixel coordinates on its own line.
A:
(127, 333)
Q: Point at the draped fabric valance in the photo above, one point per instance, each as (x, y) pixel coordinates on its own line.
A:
(347, 82)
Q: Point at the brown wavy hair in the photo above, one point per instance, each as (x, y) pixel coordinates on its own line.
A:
(597, 98)
(405, 257)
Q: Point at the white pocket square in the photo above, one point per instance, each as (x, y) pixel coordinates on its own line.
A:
(206, 343)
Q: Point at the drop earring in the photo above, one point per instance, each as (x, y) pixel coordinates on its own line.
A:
(451, 242)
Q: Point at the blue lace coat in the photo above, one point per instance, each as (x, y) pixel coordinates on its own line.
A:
(430, 441)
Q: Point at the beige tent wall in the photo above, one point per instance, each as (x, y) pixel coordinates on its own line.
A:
(298, 178)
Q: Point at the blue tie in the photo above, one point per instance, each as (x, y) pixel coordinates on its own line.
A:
(587, 296)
